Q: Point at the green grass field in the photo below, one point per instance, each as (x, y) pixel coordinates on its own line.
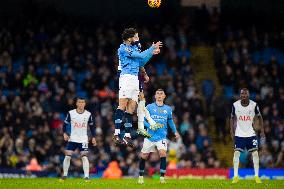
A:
(45, 183)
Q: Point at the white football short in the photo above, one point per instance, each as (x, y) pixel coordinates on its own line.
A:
(149, 146)
(129, 87)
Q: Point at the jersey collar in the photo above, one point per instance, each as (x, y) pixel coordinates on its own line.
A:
(158, 105)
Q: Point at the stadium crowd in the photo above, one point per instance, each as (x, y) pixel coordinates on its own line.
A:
(43, 67)
(255, 59)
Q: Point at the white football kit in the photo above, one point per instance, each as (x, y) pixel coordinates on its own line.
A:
(245, 117)
(79, 125)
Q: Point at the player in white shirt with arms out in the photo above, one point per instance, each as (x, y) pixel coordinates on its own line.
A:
(243, 133)
(79, 119)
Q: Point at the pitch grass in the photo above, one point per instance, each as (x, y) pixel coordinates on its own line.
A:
(51, 183)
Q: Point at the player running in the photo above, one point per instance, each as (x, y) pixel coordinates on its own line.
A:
(243, 134)
(130, 60)
(79, 119)
(161, 113)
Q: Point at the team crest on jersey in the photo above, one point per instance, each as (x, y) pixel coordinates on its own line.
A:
(163, 111)
(127, 49)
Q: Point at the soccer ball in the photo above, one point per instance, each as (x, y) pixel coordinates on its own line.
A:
(154, 3)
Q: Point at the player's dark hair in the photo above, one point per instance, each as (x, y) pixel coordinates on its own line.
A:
(128, 33)
(80, 98)
(160, 89)
(244, 89)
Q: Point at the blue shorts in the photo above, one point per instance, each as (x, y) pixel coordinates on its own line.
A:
(249, 143)
(72, 146)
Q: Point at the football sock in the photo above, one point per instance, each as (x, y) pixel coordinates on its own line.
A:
(236, 160)
(118, 120)
(128, 124)
(66, 164)
(85, 166)
(163, 166)
(141, 167)
(148, 117)
(141, 114)
(255, 160)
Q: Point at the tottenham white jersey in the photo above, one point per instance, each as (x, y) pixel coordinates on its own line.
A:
(79, 125)
(245, 117)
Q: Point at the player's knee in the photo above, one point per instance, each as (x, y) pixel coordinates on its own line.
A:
(122, 107)
(130, 109)
(144, 156)
(84, 154)
(236, 156)
(68, 153)
(122, 104)
(162, 153)
(255, 154)
(67, 157)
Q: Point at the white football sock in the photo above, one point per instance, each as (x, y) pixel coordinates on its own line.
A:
(236, 161)
(116, 131)
(127, 135)
(66, 164)
(141, 114)
(85, 166)
(148, 117)
(255, 160)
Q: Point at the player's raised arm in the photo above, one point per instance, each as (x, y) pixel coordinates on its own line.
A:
(136, 54)
(232, 121)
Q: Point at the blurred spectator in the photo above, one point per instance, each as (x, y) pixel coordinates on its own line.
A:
(112, 171)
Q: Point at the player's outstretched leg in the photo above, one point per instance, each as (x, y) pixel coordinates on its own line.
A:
(141, 115)
(255, 159)
(118, 121)
(86, 167)
(66, 164)
(236, 160)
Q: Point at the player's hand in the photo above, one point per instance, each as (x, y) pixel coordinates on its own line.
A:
(158, 45)
(177, 136)
(156, 51)
(94, 142)
(66, 136)
(146, 78)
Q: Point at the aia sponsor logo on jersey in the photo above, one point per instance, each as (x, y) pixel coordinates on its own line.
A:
(79, 125)
(244, 118)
